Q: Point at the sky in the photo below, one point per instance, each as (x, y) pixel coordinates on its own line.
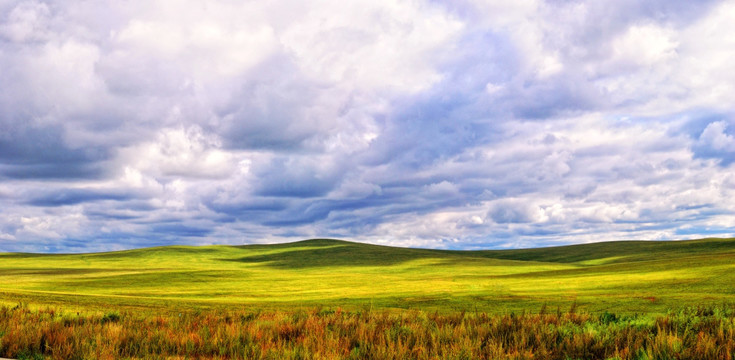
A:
(441, 124)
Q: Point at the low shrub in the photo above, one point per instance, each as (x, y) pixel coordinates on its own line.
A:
(324, 334)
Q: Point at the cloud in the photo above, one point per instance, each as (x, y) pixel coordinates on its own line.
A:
(296, 177)
(643, 45)
(180, 230)
(450, 125)
(181, 152)
(41, 152)
(62, 197)
(716, 141)
(509, 211)
(714, 135)
(26, 21)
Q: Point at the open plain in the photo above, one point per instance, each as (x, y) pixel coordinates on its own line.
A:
(625, 277)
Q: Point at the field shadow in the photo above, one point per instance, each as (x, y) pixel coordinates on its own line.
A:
(616, 251)
(335, 253)
(332, 253)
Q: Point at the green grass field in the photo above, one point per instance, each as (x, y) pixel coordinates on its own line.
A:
(623, 277)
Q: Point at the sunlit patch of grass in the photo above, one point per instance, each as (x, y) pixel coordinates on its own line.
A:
(622, 277)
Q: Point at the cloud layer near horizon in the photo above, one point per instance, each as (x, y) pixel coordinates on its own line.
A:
(470, 125)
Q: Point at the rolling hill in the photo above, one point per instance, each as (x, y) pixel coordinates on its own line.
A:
(624, 276)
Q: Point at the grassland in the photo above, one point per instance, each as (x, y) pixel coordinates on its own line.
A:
(330, 299)
(621, 277)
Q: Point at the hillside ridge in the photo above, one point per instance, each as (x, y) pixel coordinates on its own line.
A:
(621, 249)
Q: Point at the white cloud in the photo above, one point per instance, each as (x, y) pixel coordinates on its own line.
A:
(441, 189)
(715, 137)
(26, 22)
(656, 69)
(644, 45)
(204, 48)
(59, 78)
(706, 58)
(515, 211)
(179, 152)
(371, 45)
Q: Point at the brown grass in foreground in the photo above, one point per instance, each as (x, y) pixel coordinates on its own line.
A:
(704, 333)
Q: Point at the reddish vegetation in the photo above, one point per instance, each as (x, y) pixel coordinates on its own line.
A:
(689, 334)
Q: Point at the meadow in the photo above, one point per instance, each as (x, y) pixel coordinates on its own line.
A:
(622, 277)
(336, 299)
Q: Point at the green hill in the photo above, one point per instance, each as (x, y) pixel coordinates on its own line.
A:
(625, 276)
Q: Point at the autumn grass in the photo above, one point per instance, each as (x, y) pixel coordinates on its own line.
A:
(693, 333)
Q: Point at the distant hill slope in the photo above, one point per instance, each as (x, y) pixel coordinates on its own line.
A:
(618, 251)
(628, 276)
